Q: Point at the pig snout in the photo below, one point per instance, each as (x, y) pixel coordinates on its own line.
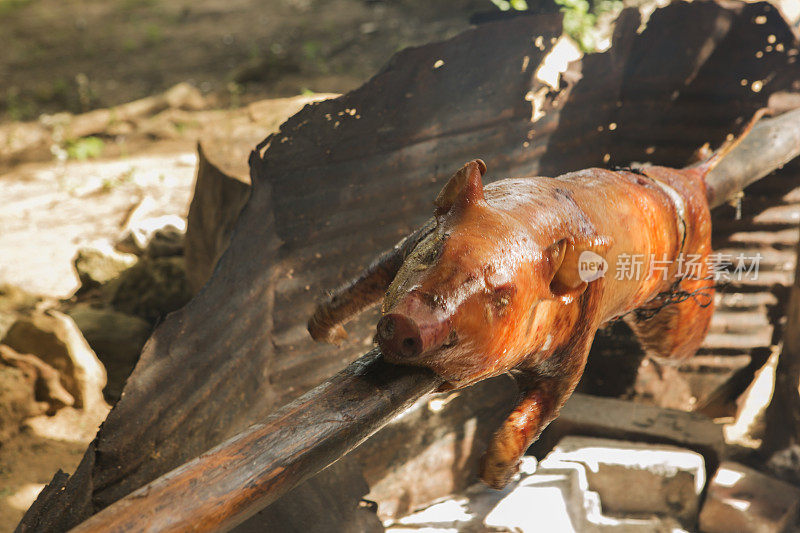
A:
(412, 330)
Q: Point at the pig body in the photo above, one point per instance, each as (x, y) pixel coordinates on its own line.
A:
(498, 279)
(516, 277)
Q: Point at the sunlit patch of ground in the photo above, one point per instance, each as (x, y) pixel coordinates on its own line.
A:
(50, 210)
(29, 460)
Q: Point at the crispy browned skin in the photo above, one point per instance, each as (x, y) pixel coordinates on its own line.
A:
(492, 284)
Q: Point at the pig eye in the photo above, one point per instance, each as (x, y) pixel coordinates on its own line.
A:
(427, 252)
(430, 255)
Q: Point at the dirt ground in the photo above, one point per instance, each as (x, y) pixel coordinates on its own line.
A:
(52, 209)
(75, 55)
(44, 445)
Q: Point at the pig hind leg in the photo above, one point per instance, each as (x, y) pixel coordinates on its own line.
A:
(674, 331)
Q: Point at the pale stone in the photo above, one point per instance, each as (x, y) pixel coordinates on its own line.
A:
(100, 263)
(55, 339)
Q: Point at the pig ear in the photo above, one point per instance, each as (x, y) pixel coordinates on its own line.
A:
(464, 186)
(576, 263)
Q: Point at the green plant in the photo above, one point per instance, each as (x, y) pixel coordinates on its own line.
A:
(85, 148)
(505, 5)
(129, 45)
(153, 34)
(7, 6)
(18, 108)
(581, 17)
(126, 177)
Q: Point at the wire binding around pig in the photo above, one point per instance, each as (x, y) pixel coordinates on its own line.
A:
(491, 284)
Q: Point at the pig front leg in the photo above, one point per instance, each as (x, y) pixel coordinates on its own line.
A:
(540, 402)
(543, 393)
(363, 291)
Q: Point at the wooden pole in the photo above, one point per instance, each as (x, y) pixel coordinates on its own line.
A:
(772, 143)
(232, 482)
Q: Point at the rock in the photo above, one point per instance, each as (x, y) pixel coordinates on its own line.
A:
(593, 416)
(116, 338)
(152, 288)
(668, 479)
(556, 496)
(223, 179)
(89, 373)
(158, 236)
(185, 96)
(70, 424)
(172, 124)
(167, 241)
(713, 380)
(99, 121)
(664, 386)
(743, 500)
(48, 384)
(17, 400)
(55, 339)
(14, 303)
(701, 383)
(99, 264)
(36, 140)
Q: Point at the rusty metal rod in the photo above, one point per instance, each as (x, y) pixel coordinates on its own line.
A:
(232, 482)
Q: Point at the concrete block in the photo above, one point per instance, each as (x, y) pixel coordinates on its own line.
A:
(552, 500)
(668, 480)
(555, 499)
(746, 501)
(619, 419)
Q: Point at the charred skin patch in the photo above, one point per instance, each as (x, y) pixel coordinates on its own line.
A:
(424, 255)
